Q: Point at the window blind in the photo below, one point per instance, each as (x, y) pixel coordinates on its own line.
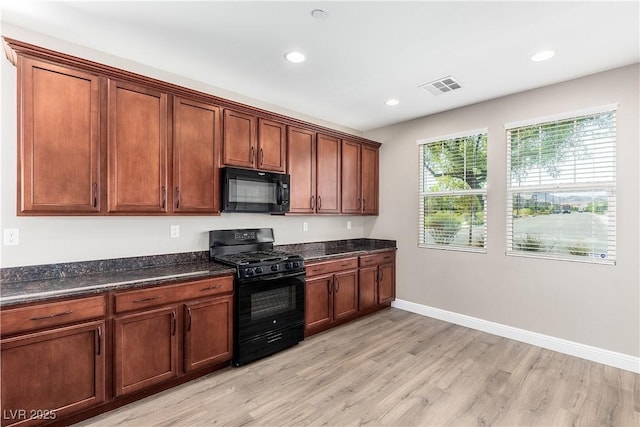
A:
(453, 192)
(561, 188)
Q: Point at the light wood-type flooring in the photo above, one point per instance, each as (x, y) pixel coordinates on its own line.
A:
(397, 368)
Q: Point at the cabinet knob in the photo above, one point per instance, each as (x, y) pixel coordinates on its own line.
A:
(177, 197)
(251, 156)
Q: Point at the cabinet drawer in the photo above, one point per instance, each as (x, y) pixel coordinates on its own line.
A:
(327, 267)
(208, 287)
(377, 259)
(154, 297)
(51, 314)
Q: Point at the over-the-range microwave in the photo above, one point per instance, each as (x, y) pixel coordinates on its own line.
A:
(245, 190)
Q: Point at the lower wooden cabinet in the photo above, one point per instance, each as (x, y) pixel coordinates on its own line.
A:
(331, 293)
(50, 374)
(145, 349)
(208, 332)
(377, 285)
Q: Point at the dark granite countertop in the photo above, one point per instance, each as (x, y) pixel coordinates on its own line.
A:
(28, 284)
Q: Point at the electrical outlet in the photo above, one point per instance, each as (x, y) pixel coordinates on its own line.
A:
(11, 237)
(305, 226)
(175, 231)
(348, 225)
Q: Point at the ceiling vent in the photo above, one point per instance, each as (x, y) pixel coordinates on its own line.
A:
(440, 86)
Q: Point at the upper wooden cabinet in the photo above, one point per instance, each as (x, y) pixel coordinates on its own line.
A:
(301, 165)
(252, 142)
(359, 178)
(272, 146)
(137, 150)
(314, 165)
(196, 136)
(59, 153)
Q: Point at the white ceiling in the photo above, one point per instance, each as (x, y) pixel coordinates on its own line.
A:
(362, 54)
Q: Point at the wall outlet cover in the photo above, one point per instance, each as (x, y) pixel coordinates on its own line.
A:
(11, 237)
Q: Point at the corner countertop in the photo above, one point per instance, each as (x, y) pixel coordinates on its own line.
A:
(21, 285)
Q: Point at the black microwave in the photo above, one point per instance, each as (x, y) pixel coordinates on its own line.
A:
(245, 190)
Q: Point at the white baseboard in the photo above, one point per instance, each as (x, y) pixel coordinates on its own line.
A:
(595, 354)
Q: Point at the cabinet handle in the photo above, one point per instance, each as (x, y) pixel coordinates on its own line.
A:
(381, 274)
(364, 203)
(51, 316)
(173, 323)
(319, 202)
(188, 319)
(313, 202)
(344, 265)
(95, 195)
(337, 282)
(261, 157)
(177, 197)
(148, 299)
(251, 156)
(99, 346)
(330, 286)
(164, 197)
(208, 288)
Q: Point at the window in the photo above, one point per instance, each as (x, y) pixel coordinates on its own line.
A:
(561, 187)
(453, 192)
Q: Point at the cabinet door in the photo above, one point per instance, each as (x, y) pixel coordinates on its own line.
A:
(137, 149)
(345, 294)
(327, 174)
(239, 139)
(195, 143)
(208, 337)
(369, 180)
(350, 171)
(367, 288)
(59, 139)
(318, 301)
(272, 148)
(386, 283)
(145, 349)
(301, 165)
(60, 370)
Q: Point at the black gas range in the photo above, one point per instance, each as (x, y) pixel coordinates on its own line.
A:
(269, 300)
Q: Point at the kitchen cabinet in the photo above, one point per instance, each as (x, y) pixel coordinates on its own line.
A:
(208, 332)
(53, 360)
(149, 335)
(196, 141)
(314, 166)
(272, 146)
(376, 280)
(301, 166)
(137, 149)
(253, 143)
(59, 145)
(359, 189)
(331, 293)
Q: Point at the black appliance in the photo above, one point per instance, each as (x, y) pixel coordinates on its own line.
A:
(269, 299)
(245, 190)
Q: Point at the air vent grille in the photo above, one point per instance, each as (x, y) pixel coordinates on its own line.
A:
(443, 85)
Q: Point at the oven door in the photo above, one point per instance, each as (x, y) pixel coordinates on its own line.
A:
(269, 316)
(254, 191)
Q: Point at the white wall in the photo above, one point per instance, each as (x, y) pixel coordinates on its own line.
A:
(596, 305)
(46, 240)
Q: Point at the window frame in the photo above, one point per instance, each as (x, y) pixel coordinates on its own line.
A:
(423, 193)
(606, 186)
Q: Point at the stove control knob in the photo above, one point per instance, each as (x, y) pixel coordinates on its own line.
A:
(249, 272)
(258, 270)
(274, 267)
(296, 264)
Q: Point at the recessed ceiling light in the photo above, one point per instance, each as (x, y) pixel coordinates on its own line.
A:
(543, 55)
(294, 57)
(319, 14)
(392, 102)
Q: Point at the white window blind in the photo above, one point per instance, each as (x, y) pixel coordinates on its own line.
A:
(453, 192)
(561, 198)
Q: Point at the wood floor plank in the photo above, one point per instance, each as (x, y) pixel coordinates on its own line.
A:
(396, 368)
